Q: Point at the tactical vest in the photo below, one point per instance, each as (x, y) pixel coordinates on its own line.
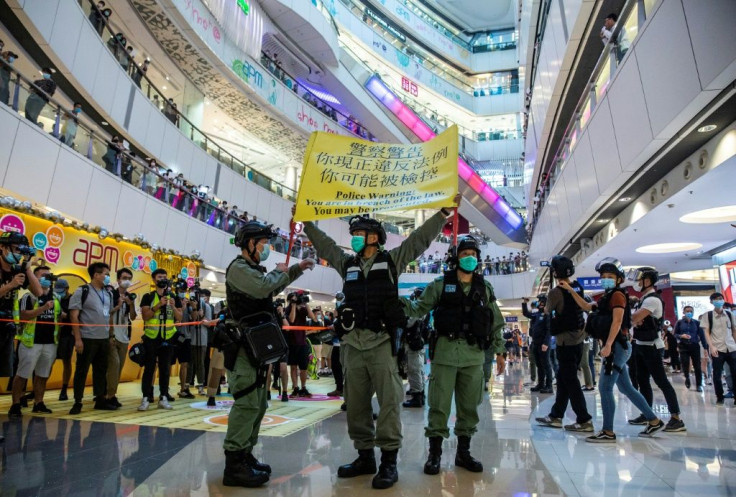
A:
(155, 327)
(604, 307)
(367, 295)
(240, 304)
(570, 319)
(464, 316)
(648, 331)
(28, 332)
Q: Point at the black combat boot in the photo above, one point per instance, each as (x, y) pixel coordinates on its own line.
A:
(238, 473)
(463, 457)
(417, 400)
(255, 464)
(387, 472)
(432, 466)
(365, 464)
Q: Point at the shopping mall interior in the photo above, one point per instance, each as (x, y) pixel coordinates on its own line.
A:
(145, 134)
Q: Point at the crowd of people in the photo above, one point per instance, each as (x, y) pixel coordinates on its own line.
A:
(570, 332)
(435, 264)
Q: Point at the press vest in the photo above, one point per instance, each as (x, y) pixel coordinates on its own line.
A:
(241, 304)
(464, 316)
(28, 333)
(648, 331)
(570, 319)
(154, 327)
(367, 295)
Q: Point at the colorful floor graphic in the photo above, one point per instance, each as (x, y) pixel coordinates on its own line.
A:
(282, 418)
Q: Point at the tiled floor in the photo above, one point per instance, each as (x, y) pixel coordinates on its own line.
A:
(59, 457)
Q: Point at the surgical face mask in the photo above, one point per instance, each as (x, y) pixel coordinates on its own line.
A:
(58, 295)
(182, 295)
(124, 283)
(45, 282)
(718, 304)
(608, 283)
(77, 111)
(265, 252)
(106, 281)
(468, 263)
(669, 329)
(46, 76)
(13, 258)
(11, 59)
(162, 283)
(357, 243)
(638, 287)
(689, 315)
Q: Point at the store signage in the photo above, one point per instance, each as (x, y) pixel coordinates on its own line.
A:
(512, 319)
(409, 86)
(591, 284)
(248, 73)
(385, 24)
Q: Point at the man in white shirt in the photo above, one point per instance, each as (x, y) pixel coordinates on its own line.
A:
(720, 332)
(647, 322)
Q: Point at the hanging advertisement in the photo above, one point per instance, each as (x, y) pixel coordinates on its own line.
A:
(727, 276)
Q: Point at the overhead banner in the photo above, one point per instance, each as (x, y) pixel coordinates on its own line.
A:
(346, 176)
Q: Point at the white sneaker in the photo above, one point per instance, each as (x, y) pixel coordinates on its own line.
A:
(200, 390)
(144, 404)
(164, 404)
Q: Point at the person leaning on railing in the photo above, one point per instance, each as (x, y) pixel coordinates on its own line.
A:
(43, 91)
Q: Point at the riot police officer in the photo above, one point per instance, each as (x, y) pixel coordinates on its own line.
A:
(370, 316)
(413, 340)
(467, 321)
(250, 290)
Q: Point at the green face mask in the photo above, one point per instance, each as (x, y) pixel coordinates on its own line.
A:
(357, 243)
(468, 263)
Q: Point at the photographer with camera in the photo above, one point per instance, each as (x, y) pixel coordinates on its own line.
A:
(280, 369)
(250, 290)
(16, 259)
(200, 337)
(38, 339)
(123, 314)
(297, 313)
(160, 309)
(371, 316)
(65, 348)
(183, 347)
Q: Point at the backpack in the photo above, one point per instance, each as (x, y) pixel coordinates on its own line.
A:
(570, 319)
(114, 295)
(710, 319)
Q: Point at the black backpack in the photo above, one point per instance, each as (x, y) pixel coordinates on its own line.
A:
(571, 318)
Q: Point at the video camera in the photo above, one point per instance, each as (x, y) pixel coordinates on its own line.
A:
(299, 297)
(279, 303)
(51, 277)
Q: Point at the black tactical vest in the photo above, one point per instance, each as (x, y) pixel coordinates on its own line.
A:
(367, 295)
(648, 331)
(241, 304)
(464, 316)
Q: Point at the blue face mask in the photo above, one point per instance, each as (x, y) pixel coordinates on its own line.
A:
(77, 111)
(718, 304)
(266, 252)
(13, 258)
(468, 263)
(106, 281)
(608, 283)
(45, 283)
(182, 295)
(689, 315)
(58, 296)
(357, 243)
(46, 76)
(11, 59)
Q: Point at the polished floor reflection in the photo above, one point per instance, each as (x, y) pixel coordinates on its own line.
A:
(47, 456)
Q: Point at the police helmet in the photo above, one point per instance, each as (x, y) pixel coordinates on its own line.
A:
(13, 238)
(646, 272)
(611, 265)
(358, 223)
(542, 298)
(468, 242)
(339, 296)
(252, 229)
(562, 266)
(417, 292)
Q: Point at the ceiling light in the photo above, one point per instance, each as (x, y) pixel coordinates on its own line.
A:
(163, 87)
(707, 128)
(724, 214)
(602, 221)
(625, 199)
(668, 248)
(104, 123)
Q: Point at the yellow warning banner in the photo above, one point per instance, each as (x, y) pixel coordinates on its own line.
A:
(345, 176)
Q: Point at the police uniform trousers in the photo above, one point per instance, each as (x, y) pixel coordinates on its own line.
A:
(246, 414)
(368, 371)
(457, 368)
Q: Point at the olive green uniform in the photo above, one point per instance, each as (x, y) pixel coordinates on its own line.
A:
(246, 414)
(457, 367)
(369, 365)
